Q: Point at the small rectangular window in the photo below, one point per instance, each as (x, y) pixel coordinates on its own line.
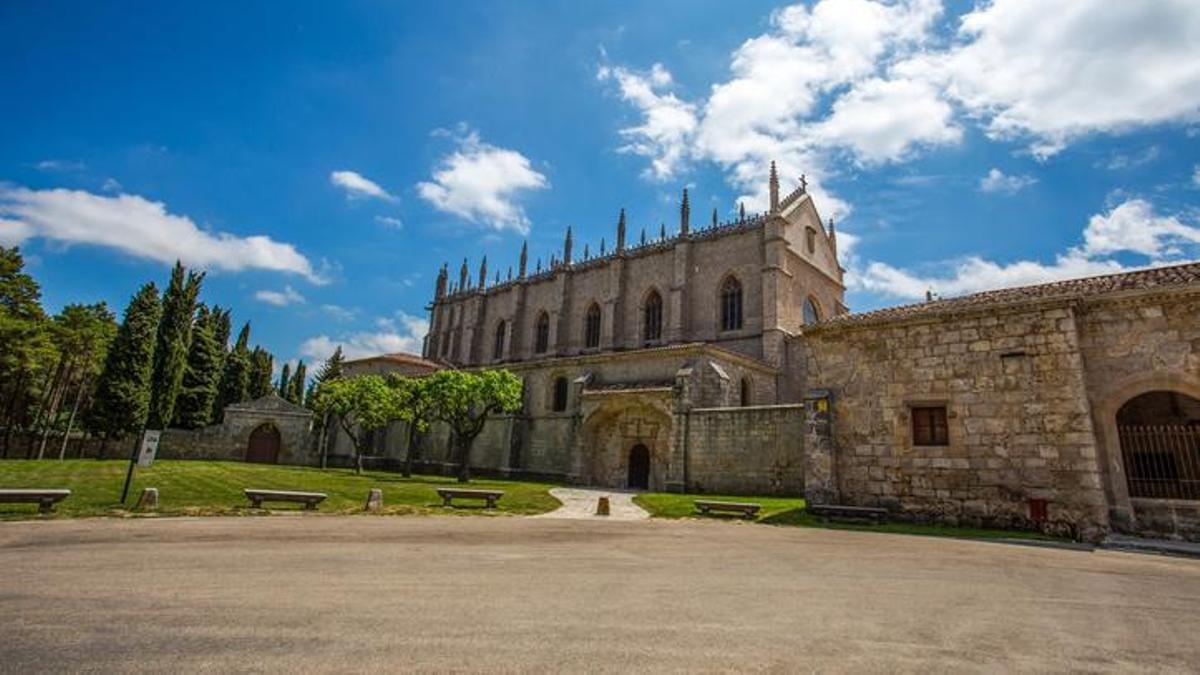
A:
(929, 426)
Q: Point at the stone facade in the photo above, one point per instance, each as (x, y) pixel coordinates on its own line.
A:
(289, 423)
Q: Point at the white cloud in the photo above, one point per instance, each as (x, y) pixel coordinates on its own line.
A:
(1196, 175)
(111, 185)
(288, 296)
(667, 122)
(998, 181)
(405, 334)
(482, 183)
(139, 227)
(390, 221)
(1120, 160)
(60, 165)
(1131, 227)
(1054, 74)
(339, 313)
(358, 186)
(883, 120)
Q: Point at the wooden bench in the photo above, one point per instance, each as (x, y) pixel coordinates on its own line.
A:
(309, 499)
(747, 509)
(45, 499)
(851, 514)
(449, 494)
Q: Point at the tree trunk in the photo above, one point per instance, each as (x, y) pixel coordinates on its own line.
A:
(62, 452)
(414, 441)
(464, 458)
(59, 392)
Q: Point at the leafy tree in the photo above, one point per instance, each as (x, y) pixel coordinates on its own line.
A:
(414, 408)
(82, 334)
(359, 405)
(262, 368)
(174, 339)
(202, 375)
(295, 392)
(285, 381)
(26, 349)
(235, 380)
(122, 398)
(463, 400)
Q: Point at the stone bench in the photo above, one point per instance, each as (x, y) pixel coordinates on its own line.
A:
(449, 494)
(851, 514)
(747, 509)
(45, 499)
(309, 499)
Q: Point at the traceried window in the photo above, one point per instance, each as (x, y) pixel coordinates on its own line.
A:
(731, 304)
(811, 314)
(810, 239)
(652, 318)
(929, 426)
(591, 327)
(498, 346)
(541, 334)
(560, 394)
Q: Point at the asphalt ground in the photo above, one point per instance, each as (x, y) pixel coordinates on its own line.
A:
(362, 593)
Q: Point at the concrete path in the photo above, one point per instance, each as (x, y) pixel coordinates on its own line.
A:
(473, 594)
(580, 504)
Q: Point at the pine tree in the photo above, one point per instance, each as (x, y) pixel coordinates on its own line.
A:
(285, 381)
(235, 380)
(262, 367)
(332, 368)
(123, 391)
(296, 389)
(26, 348)
(171, 350)
(202, 375)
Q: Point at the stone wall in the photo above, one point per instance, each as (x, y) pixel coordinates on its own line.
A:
(1019, 422)
(753, 450)
(229, 439)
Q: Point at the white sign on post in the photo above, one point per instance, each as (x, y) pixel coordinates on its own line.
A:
(149, 447)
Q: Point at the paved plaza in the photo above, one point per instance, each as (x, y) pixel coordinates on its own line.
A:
(320, 593)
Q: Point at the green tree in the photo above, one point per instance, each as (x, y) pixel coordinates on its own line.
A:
(171, 348)
(296, 386)
(235, 380)
(202, 375)
(414, 408)
(463, 400)
(82, 334)
(262, 368)
(359, 405)
(122, 398)
(285, 381)
(27, 352)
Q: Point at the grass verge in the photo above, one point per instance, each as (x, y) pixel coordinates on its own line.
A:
(215, 488)
(789, 511)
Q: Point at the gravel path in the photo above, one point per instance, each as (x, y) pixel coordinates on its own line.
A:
(580, 504)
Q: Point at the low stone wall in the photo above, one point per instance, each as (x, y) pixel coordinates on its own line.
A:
(751, 450)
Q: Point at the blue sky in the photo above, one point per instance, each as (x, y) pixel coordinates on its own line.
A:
(322, 160)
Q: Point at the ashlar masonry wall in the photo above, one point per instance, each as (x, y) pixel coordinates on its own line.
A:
(751, 450)
(1019, 423)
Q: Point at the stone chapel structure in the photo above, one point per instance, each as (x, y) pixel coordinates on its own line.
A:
(723, 358)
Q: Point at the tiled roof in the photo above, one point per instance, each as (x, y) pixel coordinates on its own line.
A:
(1140, 280)
(400, 357)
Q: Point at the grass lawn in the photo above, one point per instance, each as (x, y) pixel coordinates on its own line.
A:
(790, 511)
(215, 488)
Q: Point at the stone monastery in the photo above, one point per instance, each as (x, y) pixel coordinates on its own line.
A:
(723, 359)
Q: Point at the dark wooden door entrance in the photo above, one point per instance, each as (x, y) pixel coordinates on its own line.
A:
(639, 467)
(263, 447)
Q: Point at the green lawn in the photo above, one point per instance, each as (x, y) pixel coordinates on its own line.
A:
(790, 511)
(215, 488)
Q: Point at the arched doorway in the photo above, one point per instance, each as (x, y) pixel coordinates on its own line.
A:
(1159, 433)
(639, 468)
(263, 447)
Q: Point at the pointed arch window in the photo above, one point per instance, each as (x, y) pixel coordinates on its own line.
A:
(746, 392)
(591, 327)
(498, 345)
(560, 394)
(731, 304)
(541, 334)
(811, 313)
(652, 318)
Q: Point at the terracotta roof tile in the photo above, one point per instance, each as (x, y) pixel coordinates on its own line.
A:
(400, 357)
(1146, 279)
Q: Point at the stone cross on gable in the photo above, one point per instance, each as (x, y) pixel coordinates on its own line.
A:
(803, 183)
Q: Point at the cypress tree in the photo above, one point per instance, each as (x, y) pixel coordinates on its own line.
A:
(235, 380)
(221, 332)
(296, 390)
(202, 375)
(171, 350)
(262, 366)
(285, 381)
(122, 399)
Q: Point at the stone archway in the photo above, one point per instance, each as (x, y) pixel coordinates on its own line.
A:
(1159, 435)
(607, 446)
(263, 446)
